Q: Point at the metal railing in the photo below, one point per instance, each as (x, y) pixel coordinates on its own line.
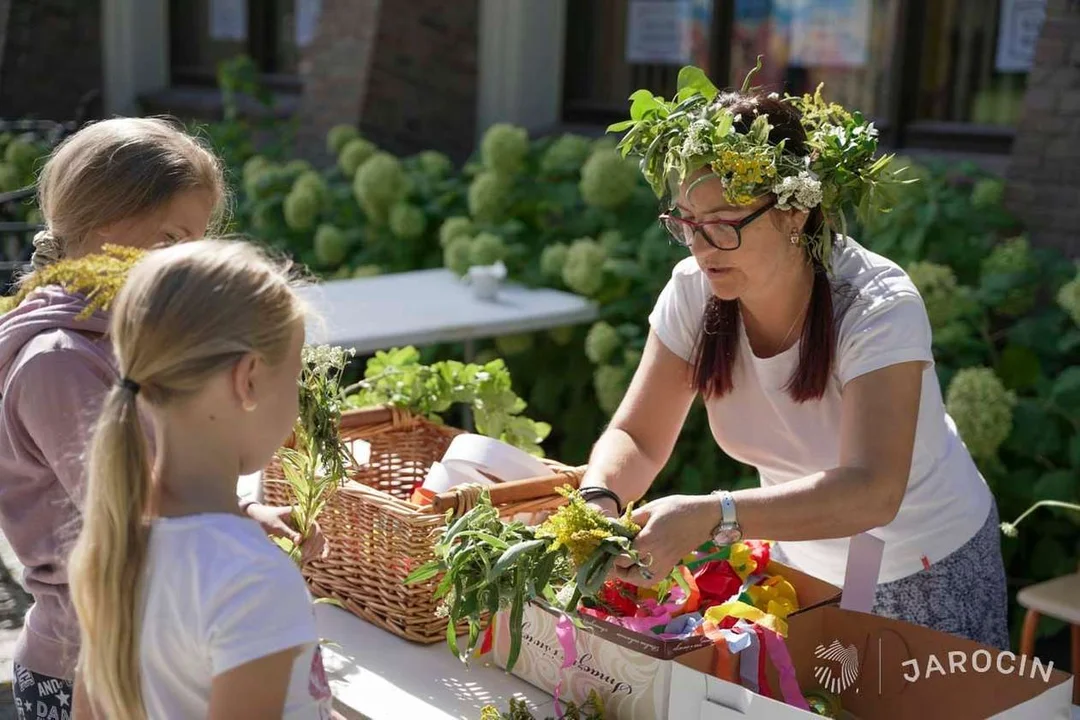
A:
(16, 236)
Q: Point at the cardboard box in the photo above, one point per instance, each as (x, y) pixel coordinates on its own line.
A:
(897, 671)
(630, 671)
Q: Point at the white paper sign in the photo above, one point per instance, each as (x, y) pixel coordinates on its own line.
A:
(228, 19)
(658, 31)
(1018, 30)
(830, 33)
(307, 21)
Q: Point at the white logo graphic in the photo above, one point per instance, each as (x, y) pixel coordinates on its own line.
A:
(837, 679)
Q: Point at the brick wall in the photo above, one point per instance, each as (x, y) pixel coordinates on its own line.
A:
(50, 57)
(408, 79)
(1044, 172)
(423, 86)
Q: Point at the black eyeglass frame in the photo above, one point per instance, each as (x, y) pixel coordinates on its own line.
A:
(699, 227)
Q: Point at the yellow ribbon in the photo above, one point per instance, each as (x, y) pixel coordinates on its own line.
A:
(738, 609)
(774, 595)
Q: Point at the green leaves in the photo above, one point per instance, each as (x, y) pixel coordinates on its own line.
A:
(1066, 392)
(693, 81)
(316, 464)
(396, 377)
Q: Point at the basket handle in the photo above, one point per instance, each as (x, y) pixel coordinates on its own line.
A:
(513, 491)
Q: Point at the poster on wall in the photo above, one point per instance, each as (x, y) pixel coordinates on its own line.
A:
(669, 32)
(829, 33)
(1019, 24)
(228, 19)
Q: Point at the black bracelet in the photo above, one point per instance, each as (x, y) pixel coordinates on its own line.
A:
(594, 491)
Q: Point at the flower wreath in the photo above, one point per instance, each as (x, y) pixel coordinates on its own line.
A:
(674, 139)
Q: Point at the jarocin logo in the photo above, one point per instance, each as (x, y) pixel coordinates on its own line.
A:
(844, 670)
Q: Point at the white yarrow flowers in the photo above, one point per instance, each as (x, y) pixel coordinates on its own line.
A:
(697, 138)
(798, 192)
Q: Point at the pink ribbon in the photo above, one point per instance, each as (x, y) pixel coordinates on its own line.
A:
(650, 614)
(564, 632)
(781, 660)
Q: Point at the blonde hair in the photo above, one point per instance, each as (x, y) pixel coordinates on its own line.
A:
(186, 313)
(117, 169)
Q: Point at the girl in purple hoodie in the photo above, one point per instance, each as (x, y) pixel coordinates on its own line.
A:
(130, 182)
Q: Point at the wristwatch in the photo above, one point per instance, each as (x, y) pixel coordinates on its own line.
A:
(728, 531)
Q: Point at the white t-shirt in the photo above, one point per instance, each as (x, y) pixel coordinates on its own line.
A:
(946, 502)
(217, 595)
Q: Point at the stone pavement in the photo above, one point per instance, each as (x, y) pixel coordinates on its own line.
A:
(13, 604)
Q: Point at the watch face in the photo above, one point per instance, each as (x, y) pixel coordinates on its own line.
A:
(728, 536)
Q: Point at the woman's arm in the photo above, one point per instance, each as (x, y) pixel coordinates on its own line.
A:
(254, 690)
(877, 436)
(638, 441)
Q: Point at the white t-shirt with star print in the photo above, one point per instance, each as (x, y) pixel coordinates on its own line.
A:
(946, 502)
(218, 595)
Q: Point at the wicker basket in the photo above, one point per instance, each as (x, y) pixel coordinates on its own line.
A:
(377, 536)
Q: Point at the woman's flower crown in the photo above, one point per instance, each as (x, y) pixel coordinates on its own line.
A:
(695, 130)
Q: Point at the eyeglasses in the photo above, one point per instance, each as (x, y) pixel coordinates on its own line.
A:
(721, 234)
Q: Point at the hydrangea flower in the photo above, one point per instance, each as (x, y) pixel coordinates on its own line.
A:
(1068, 297)
(982, 408)
(553, 260)
(607, 181)
(601, 342)
(504, 148)
(583, 269)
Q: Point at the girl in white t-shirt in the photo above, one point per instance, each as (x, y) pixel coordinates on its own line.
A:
(813, 356)
(186, 609)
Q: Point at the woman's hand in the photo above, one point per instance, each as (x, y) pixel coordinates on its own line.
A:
(278, 522)
(671, 528)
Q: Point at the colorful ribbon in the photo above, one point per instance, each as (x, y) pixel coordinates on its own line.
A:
(740, 610)
(751, 659)
(564, 632)
(785, 669)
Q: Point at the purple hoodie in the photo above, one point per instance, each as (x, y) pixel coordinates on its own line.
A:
(55, 370)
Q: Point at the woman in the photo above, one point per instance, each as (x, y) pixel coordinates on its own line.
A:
(813, 356)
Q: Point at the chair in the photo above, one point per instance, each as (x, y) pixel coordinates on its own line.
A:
(1058, 598)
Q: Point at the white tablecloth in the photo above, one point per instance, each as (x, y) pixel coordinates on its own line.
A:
(378, 676)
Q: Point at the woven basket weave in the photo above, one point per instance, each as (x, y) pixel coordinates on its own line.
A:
(377, 536)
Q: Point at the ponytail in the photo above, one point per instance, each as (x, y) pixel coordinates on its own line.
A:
(107, 562)
(185, 314)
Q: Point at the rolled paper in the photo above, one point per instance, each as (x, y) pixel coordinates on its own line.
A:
(444, 476)
(494, 457)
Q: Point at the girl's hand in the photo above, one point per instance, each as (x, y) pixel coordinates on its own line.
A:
(671, 528)
(278, 522)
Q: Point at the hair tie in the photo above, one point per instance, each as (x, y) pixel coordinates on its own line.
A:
(48, 249)
(130, 385)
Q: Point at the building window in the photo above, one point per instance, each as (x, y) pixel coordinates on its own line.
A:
(932, 74)
(967, 71)
(203, 33)
(847, 45)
